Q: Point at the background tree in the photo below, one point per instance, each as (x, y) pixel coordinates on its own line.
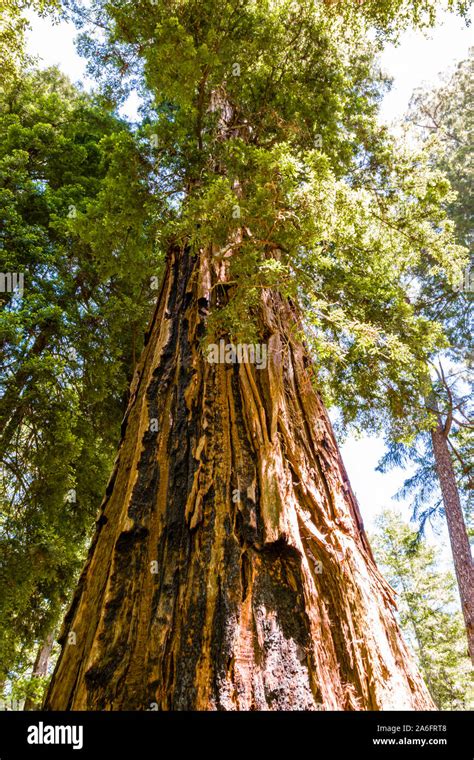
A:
(79, 223)
(428, 610)
(443, 451)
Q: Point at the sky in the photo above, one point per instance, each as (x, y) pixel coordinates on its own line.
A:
(418, 59)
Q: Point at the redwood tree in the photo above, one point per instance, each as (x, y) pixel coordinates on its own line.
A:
(230, 567)
(268, 601)
(440, 443)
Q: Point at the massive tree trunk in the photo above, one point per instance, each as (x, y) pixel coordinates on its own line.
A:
(230, 569)
(460, 546)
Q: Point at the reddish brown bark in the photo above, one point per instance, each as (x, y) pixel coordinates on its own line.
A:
(266, 594)
(460, 546)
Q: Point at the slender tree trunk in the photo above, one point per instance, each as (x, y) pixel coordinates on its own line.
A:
(460, 547)
(40, 667)
(230, 569)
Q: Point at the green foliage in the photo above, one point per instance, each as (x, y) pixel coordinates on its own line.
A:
(393, 16)
(422, 486)
(428, 609)
(79, 221)
(27, 688)
(443, 121)
(271, 110)
(445, 118)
